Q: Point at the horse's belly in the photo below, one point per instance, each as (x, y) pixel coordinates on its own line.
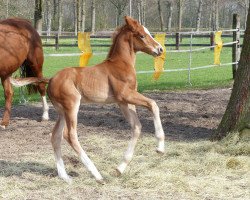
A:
(97, 98)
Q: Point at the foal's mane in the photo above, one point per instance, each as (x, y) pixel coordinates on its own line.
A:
(115, 38)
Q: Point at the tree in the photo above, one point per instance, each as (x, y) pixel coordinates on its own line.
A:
(120, 7)
(169, 5)
(93, 16)
(141, 11)
(215, 15)
(48, 16)
(198, 21)
(38, 22)
(83, 15)
(160, 15)
(244, 4)
(237, 115)
(179, 7)
(60, 17)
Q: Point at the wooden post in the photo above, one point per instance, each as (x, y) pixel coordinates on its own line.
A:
(212, 40)
(236, 46)
(57, 41)
(177, 41)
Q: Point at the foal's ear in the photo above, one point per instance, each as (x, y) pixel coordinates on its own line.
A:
(132, 23)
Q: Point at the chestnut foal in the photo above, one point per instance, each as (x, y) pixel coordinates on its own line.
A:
(112, 81)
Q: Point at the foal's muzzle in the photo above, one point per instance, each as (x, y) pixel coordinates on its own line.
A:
(158, 50)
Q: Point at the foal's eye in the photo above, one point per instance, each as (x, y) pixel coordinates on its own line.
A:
(142, 36)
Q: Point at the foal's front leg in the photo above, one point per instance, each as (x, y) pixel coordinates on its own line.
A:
(130, 114)
(8, 94)
(135, 98)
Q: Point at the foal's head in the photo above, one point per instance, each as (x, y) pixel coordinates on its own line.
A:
(142, 40)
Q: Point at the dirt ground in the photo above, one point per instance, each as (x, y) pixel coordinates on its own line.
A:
(27, 169)
(189, 115)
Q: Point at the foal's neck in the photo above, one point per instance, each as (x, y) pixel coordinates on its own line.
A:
(122, 49)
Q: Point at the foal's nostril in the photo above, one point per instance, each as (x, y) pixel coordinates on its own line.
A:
(160, 49)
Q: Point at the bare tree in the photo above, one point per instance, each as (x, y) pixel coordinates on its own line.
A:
(169, 8)
(76, 16)
(141, 11)
(215, 15)
(245, 5)
(79, 13)
(160, 15)
(180, 4)
(198, 21)
(83, 2)
(38, 22)
(60, 17)
(93, 16)
(48, 16)
(120, 7)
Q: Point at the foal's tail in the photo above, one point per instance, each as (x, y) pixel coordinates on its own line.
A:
(26, 71)
(19, 82)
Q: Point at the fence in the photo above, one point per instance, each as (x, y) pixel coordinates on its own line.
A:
(177, 36)
(235, 33)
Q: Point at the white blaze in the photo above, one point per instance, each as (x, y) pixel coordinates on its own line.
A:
(147, 31)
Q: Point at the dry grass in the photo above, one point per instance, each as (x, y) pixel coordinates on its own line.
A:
(188, 170)
(192, 167)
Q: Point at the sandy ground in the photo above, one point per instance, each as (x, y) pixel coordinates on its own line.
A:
(191, 115)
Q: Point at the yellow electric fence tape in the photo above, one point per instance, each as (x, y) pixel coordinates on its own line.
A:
(217, 49)
(84, 46)
(159, 61)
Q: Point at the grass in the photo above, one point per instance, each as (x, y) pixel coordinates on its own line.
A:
(188, 170)
(200, 79)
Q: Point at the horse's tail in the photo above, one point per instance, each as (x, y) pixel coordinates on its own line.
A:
(19, 82)
(25, 71)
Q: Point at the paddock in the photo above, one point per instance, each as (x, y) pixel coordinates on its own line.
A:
(192, 167)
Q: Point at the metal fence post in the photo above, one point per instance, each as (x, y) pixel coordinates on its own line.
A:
(236, 46)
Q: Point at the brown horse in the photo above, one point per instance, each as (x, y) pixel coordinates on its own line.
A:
(20, 44)
(112, 81)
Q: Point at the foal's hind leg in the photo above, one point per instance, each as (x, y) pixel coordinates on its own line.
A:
(71, 136)
(8, 94)
(56, 140)
(130, 114)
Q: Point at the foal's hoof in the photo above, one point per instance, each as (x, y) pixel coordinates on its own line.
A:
(2, 127)
(100, 181)
(67, 179)
(160, 151)
(118, 172)
(45, 118)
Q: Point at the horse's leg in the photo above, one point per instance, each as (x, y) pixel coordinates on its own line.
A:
(56, 139)
(42, 91)
(133, 97)
(129, 112)
(71, 136)
(8, 94)
(36, 67)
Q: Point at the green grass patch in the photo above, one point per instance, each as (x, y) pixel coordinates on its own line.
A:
(200, 79)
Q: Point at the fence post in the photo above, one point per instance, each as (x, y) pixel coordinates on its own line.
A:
(57, 41)
(211, 40)
(177, 41)
(236, 46)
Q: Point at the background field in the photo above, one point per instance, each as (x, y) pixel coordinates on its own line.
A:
(220, 76)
